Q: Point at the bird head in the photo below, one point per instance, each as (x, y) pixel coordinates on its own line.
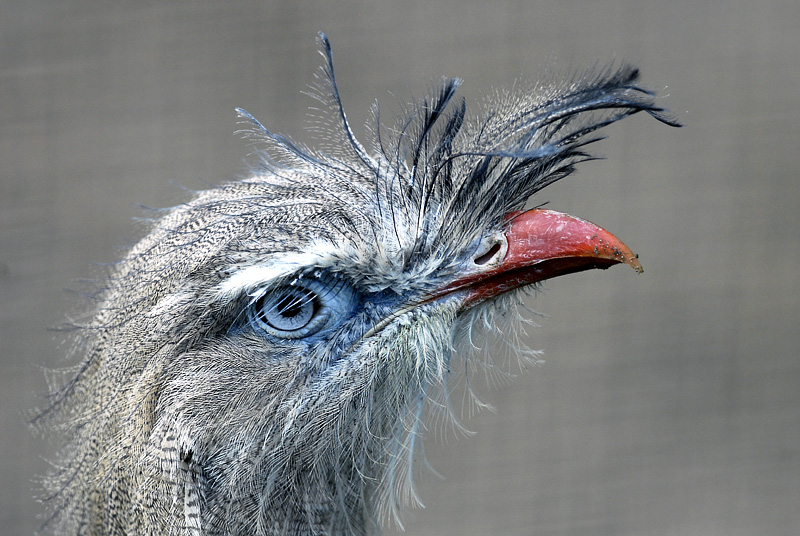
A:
(262, 361)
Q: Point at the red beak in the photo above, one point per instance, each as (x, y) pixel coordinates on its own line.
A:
(541, 244)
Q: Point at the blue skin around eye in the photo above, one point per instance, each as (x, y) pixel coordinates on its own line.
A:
(349, 313)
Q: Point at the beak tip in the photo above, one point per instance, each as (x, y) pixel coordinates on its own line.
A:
(634, 263)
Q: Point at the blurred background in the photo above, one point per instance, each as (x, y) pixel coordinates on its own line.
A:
(669, 403)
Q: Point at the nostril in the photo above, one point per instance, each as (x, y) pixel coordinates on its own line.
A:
(486, 257)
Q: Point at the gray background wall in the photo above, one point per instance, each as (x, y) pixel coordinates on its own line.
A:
(669, 403)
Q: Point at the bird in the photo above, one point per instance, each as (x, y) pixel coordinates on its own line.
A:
(264, 361)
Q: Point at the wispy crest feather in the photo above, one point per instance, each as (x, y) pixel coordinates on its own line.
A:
(438, 179)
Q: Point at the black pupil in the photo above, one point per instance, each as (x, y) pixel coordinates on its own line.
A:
(290, 306)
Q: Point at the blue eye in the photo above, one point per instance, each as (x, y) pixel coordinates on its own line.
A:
(301, 308)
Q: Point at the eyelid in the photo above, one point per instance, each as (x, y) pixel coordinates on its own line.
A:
(245, 280)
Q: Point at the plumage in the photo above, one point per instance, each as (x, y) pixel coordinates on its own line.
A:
(262, 361)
